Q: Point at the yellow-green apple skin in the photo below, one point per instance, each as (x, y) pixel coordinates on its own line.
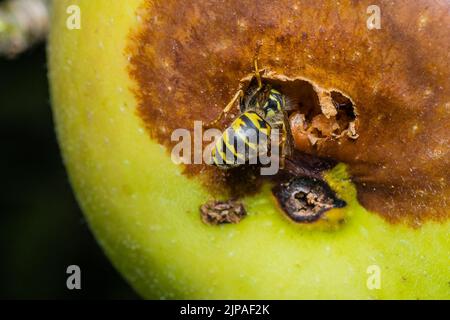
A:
(145, 213)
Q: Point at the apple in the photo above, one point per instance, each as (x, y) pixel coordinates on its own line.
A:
(132, 71)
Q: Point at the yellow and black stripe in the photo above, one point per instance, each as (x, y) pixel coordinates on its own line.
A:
(241, 140)
(274, 104)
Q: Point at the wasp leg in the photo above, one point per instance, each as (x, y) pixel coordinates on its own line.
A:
(288, 143)
(283, 147)
(227, 109)
(283, 143)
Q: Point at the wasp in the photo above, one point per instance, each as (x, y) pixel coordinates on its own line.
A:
(262, 108)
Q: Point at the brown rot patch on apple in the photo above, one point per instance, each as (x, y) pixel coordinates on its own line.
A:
(306, 200)
(376, 100)
(221, 212)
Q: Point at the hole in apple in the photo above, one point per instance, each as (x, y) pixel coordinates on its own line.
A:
(315, 114)
(306, 199)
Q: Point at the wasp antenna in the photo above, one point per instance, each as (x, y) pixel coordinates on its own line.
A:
(257, 73)
(258, 46)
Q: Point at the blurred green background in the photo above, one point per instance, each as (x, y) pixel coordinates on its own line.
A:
(42, 230)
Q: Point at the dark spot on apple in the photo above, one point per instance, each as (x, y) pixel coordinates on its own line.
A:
(305, 200)
(221, 212)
